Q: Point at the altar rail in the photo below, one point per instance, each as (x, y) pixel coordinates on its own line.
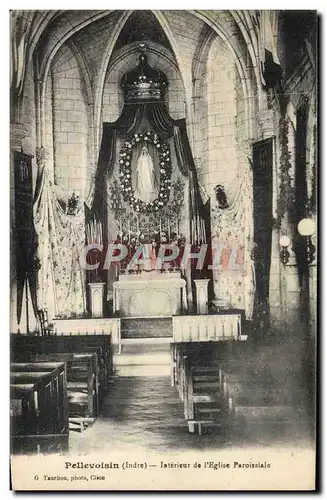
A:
(89, 326)
(206, 328)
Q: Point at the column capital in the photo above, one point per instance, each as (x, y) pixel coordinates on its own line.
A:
(265, 119)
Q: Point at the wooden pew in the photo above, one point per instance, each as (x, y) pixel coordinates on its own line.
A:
(201, 384)
(82, 383)
(39, 417)
(85, 389)
(22, 346)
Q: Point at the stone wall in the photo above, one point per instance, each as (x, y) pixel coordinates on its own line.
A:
(70, 125)
(219, 162)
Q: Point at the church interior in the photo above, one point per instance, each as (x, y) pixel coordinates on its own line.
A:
(191, 135)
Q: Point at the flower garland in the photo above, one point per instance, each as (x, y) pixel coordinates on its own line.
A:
(125, 174)
(286, 198)
(146, 227)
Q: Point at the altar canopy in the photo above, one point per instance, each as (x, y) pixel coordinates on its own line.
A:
(144, 89)
(129, 122)
(146, 157)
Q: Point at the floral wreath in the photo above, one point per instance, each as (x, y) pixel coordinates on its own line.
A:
(125, 172)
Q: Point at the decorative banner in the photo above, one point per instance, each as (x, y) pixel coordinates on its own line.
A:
(23, 222)
(61, 239)
(262, 221)
(232, 240)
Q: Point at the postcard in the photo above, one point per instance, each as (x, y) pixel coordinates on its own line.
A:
(163, 203)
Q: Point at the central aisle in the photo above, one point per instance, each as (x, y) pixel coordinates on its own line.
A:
(140, 414)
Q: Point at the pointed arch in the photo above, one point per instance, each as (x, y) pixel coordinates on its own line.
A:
(239, 62)
(98, 90)
(107, 55)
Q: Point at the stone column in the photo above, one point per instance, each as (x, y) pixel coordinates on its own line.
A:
(201, 296)
(96, 295)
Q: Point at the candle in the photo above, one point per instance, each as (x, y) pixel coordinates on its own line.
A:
(120, 228)
(137, 223)
(129, 230)
(160, 227)
(168, 229)
(177, 231)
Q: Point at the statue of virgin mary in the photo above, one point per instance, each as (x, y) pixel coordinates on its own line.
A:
(145, 177)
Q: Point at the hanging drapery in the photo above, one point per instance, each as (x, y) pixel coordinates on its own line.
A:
(270, 67)
(61, 240)
(233, 234)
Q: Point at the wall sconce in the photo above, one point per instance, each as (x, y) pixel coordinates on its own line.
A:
(307, 227)
(284, 255)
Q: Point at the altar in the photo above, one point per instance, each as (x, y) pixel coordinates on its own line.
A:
(150, 294)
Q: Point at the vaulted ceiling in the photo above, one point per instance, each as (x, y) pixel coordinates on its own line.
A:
(92, 30)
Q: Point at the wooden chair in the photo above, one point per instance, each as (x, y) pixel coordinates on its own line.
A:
(46, 328)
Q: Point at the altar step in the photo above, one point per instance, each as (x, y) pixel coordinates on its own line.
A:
(152, 327)
(139, 359)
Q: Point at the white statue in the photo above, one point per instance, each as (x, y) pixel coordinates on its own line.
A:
(145, 178)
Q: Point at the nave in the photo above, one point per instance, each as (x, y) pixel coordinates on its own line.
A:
(150, 403)
(143, 412)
